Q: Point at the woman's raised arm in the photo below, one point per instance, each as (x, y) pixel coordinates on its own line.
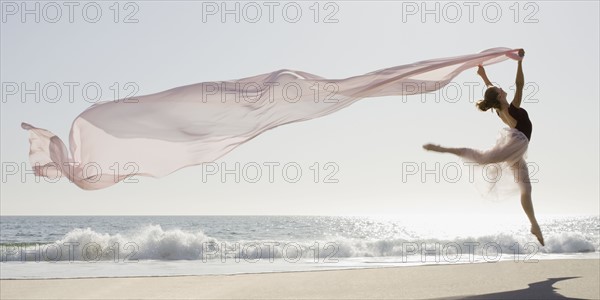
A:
(481, 72)
(520, 81)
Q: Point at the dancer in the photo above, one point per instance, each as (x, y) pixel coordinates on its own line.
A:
(512, 145)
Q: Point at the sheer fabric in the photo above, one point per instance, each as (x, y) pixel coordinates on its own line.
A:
(157, 134)
(501, 171)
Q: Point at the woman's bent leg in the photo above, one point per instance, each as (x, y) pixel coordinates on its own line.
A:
(521, 173)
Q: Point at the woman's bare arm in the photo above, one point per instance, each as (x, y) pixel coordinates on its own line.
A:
(520, 82)
(481, 72)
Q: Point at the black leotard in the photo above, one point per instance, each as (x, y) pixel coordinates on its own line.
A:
(523, 122)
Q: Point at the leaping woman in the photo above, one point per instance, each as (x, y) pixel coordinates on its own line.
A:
(512, 145)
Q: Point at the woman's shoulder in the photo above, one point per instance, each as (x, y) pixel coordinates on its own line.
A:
(513, 109)
(507, 117)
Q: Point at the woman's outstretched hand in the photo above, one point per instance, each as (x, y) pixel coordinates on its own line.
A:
(480, 71)
(518, 56)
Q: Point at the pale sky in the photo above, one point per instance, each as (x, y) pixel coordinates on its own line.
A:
(178, 43)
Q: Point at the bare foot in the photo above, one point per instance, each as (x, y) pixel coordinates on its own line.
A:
(535, 230)
(432, 147)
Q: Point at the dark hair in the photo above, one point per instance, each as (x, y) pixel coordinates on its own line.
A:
(490, 100)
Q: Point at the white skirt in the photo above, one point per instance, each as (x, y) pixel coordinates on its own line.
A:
(501, 171)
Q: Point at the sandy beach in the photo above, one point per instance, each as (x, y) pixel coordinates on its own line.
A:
(546, 279)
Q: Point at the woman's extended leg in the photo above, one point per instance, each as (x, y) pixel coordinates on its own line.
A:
(486, 157)
(521, 173)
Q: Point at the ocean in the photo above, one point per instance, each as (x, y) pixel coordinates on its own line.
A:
(124, 246)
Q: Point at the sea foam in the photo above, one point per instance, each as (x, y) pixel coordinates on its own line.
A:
(152, 242)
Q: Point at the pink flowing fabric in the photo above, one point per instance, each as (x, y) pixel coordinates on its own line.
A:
(155, 135)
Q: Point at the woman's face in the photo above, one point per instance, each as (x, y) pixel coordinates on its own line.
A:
(501, 96)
